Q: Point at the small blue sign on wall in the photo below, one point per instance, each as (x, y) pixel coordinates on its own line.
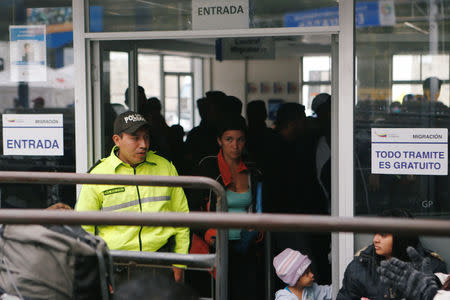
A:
(374, 13)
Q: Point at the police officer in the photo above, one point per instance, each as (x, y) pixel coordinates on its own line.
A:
(131, 156)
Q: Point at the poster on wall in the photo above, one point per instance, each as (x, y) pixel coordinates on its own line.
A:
(33, 134)
(264, 87)
(410, 151)
(292, 88)
(273, 106)
(28, 53)
(252, 88)
(220, 14)
(278, 88)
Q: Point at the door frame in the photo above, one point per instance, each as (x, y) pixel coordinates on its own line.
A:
(343, 86)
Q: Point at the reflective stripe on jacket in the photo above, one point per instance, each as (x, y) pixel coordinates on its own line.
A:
(116, 198)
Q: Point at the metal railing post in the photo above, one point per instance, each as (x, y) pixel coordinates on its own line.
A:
(222, 255)
(268, 264)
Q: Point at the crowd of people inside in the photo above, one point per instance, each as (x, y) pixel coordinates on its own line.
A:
(233, 151)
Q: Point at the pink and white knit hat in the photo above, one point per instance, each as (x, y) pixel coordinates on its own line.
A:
(290, 265)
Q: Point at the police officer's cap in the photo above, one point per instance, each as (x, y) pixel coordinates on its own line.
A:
(129, 122)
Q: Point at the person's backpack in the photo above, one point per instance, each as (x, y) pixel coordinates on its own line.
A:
(54, 262)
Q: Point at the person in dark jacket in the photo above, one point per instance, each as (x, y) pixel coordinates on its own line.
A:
(217, 167)
(201, 140)
(242, 183)
(361, 279)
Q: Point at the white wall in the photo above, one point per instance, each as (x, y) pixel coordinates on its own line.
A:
(281, 71)
(229, 76)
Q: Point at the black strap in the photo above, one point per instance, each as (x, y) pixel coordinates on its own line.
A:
(96, 164)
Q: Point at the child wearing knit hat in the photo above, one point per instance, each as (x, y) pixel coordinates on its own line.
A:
(293, 268)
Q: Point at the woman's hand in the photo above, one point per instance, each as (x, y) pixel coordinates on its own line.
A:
(210, 237)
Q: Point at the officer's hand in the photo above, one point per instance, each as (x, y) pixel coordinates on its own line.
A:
(177, 274)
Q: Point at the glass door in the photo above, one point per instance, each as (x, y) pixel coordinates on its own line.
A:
(113, 93)
(178, 100)
(173, 70)
(112, 73)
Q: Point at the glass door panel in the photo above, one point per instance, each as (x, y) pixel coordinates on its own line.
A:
(114, 83)
(171, 99)
(184, 68)
(149, 67)
(186, 102)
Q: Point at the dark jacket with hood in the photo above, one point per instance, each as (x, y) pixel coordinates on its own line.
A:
(361, 278)
(206, 200)
(209, 167)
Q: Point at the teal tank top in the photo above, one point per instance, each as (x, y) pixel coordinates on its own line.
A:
(237, 203)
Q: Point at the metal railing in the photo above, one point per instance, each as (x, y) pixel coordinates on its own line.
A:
(220, 258)
(272, 222)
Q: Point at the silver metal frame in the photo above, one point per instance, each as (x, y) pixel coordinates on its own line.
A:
(162, 84)
(264, 221)
(192, 92)
(256, 32)
(335, 272)
(83, 142)
(69, 217)
(201, 261)
(342, 140)
(96, 83)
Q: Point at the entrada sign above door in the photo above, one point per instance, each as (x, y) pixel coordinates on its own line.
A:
(220, 14)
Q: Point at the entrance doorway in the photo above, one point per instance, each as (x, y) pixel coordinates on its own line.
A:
(180, 71)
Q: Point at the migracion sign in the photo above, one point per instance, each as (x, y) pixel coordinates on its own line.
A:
(410, 151)
(33, 134)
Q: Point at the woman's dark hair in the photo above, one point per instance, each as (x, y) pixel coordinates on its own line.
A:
(235, 122)
(401, 242)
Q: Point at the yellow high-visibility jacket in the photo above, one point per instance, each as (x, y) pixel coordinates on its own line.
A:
(117, 198)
